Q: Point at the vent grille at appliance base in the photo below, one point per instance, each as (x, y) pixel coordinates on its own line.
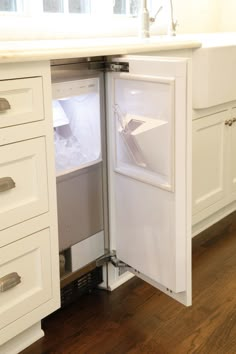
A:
(81, 286)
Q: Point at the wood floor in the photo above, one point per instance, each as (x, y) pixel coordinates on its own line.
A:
(136, 318)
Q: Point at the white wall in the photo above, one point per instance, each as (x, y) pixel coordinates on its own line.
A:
(227, 16)
(197, 16)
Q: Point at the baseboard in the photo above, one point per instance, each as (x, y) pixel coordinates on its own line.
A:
(213, 219)
(225, 225)
(23, 340)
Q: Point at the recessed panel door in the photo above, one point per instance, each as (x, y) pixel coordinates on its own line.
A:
(233, 151)
(150, 172)
(209, 151)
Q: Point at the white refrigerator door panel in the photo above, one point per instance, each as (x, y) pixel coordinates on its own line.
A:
(149, 171)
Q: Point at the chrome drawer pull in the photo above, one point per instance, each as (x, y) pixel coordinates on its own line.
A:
(6, 183)
(9, 281)
(4, 105)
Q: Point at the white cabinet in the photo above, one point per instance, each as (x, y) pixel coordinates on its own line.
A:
(232, 152)
(214, 147)
(209, 161)
(214, 166)
(29, 265)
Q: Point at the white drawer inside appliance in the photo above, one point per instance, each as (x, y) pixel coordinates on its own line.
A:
(21, 101)
(23, 181)
(80, 205)
(25, 276)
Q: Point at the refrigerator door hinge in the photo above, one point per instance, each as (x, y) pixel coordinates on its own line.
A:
(108, 66)
(111, 258)
(119, 67)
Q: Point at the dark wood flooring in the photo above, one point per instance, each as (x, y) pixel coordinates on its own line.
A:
(136, 318)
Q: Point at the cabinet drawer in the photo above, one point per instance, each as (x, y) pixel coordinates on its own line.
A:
(21, 101)
(23, 181)
(30, 259)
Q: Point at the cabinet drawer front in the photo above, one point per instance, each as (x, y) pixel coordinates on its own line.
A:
(23, 181)
(30, 259)
(21, 101)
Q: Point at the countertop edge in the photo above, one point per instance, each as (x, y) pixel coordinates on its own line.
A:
(25, 54)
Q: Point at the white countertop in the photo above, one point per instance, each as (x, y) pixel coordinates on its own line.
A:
(16, 51)
(214, 40)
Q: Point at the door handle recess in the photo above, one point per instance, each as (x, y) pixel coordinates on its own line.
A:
(4, 105)
(6, 183)
(9, 281)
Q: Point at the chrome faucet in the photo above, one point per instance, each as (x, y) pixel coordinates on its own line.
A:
(146, 20)
(174, 22)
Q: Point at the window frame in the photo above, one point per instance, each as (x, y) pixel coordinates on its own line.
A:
(33, 23)
(19, 7)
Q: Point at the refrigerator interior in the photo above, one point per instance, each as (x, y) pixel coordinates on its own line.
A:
(79, 168)
(76, 121)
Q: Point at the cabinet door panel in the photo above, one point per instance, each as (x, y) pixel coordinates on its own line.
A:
(142, 124)
(209, 151)
(233, 153)
(148, 172)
